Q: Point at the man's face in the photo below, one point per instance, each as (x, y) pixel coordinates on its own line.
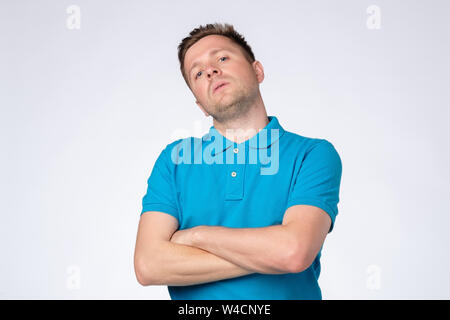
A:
(214, 59)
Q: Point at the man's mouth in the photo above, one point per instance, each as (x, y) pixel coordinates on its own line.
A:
(220, 86)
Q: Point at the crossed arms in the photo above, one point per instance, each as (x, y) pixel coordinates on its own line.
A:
(164, 256)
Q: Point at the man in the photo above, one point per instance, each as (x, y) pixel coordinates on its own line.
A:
(222, 219)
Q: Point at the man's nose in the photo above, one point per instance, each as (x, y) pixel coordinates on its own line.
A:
(212, 70)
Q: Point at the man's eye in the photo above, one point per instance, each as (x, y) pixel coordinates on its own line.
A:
(197, 75)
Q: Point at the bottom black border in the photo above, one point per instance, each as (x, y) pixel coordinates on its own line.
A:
(219, 309)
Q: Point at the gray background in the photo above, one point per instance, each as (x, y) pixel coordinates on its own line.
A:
(85, 112)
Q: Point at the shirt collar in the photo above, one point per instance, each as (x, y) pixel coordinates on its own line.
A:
(262, 140)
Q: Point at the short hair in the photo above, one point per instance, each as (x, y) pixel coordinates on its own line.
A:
(222, 29)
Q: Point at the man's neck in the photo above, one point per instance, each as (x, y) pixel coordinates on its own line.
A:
(245, 127)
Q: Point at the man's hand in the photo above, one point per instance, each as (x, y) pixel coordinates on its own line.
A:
(185, 237)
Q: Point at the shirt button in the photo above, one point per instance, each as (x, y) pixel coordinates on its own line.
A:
(233, 174)
(236, 150)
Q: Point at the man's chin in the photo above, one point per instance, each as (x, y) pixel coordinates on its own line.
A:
(228, 112)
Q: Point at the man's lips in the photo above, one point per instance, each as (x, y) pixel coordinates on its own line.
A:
(219, 86)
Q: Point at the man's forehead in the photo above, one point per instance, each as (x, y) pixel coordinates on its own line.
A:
(195, 52)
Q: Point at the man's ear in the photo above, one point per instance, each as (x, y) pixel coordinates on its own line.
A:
(203, 110)
(259, 70)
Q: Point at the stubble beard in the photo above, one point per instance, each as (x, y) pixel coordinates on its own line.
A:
(238, 105)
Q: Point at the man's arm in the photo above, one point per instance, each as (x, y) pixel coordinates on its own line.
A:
(287, 248)
(157, 261)
(266, 250)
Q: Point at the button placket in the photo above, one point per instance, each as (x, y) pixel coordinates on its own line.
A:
(235, 175)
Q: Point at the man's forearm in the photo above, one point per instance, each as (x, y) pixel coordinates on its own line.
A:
(180, 265)
(265, 250)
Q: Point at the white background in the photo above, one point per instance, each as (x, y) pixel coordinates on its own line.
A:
(85, 112)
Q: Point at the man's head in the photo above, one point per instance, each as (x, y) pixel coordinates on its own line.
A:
(215, 54)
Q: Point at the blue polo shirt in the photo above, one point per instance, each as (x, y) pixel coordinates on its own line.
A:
(217, 182)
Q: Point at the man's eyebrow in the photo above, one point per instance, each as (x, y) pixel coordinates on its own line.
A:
(211, 53)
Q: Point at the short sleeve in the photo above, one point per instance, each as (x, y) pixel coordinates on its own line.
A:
(318, 180)
(161, 192)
